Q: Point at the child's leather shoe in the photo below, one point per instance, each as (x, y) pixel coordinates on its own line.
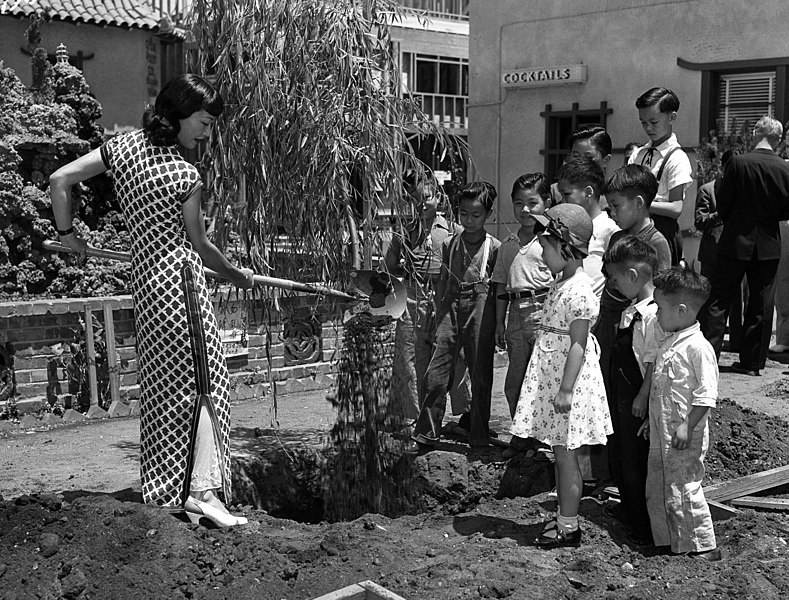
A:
(554, 537)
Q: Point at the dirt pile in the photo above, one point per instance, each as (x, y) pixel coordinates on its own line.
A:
(743, 441)
(101, 547)
(80, 546)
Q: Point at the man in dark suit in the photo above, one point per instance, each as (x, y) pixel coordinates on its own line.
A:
(710, 225)
(752, 198)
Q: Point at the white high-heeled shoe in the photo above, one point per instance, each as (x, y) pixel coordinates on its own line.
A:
(196, 510)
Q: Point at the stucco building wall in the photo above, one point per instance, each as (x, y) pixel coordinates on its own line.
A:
(125, 66)
(627, 46)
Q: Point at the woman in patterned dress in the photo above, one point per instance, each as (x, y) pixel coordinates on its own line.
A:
(184, 383)
(563, 401)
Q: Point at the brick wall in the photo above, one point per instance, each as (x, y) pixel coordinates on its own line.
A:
(36, 336)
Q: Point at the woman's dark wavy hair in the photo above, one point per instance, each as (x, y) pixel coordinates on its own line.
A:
(482, 191)
(180, 98)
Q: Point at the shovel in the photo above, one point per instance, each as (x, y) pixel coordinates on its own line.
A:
(380, 293)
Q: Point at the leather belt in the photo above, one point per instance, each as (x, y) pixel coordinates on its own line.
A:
(536, 294)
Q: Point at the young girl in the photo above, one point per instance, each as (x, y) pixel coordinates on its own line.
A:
(563, 402)
(522, 280)
(465, 318)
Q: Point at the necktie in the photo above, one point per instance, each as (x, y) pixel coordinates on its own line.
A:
(647, 160)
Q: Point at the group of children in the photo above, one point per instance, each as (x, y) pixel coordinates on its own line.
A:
(601, 332)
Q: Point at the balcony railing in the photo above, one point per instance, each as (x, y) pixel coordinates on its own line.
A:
(456, 10)
(175, 9)
(449, 111)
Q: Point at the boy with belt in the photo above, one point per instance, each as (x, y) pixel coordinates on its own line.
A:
(522, 280)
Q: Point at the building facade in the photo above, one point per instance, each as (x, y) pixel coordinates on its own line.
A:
(432, 50)
(125, 48)
(541, 68)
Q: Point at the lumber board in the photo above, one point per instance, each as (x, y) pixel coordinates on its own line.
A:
(721, 512)
(364, 590)
(744, 486)
(352, 592)
(762, 502)
(376, 592)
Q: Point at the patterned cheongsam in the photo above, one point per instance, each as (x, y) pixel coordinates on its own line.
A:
(178, 347)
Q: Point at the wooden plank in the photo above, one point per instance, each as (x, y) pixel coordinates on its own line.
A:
(364, 590)
(90, 356)
(759, 502)
(376, 592)
(744, 486)
(721, 512)
(112, 357)
(352, 592)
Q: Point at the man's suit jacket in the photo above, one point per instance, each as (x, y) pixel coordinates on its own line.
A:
(708, 221)
(752, 198)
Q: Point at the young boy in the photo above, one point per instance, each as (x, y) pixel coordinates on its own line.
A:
(418, 250)
(580, 181)
(684, 388)
(657, 110)
(630, 191)
(630, 264)
(522, 280)
(465, 320)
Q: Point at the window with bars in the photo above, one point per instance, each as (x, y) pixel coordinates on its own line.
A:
(560, 124)
(744, 97)
(442, 84)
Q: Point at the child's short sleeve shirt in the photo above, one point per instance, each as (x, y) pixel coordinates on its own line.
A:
(603, 227)
(677, 171)
(521, 267)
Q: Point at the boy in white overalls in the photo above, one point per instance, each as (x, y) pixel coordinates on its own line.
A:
(684, 388)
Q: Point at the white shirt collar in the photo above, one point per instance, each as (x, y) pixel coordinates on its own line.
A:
(676, 336)
(641, 307)
(671, 142)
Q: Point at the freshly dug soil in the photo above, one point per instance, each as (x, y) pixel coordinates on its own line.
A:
(78, 545)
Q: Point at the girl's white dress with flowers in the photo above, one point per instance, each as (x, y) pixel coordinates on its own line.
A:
(589, 421)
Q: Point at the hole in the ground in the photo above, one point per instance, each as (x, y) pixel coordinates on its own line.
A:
(362, 467)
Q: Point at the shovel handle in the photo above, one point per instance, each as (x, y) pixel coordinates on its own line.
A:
(285, 284)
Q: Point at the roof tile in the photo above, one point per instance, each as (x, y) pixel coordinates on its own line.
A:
(120, 13)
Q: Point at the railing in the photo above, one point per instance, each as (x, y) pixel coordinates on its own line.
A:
(450, 111)
(456, 10)
(170, 8)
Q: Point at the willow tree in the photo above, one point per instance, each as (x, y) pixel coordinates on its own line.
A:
(316, 127)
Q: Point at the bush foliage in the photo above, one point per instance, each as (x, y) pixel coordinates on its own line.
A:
(41, 129)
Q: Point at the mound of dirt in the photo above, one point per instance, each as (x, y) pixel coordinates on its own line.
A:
(101, 547)
(743, 441)
(79, 546)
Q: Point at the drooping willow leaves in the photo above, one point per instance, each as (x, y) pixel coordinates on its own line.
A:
(316, 127)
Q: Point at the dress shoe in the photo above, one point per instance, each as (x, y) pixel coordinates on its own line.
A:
(738, 368)
(617, 512)
(197, 510)
(555, 537)
(424, 440)
(778, 349)
(479, 442)
(713, 555)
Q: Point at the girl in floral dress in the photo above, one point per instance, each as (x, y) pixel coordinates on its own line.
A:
(563, 402)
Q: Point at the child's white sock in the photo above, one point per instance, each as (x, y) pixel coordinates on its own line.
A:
(567, 524)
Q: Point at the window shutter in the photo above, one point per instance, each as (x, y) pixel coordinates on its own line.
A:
(745, 97)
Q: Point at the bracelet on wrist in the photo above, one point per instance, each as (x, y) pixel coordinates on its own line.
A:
(64, 232)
